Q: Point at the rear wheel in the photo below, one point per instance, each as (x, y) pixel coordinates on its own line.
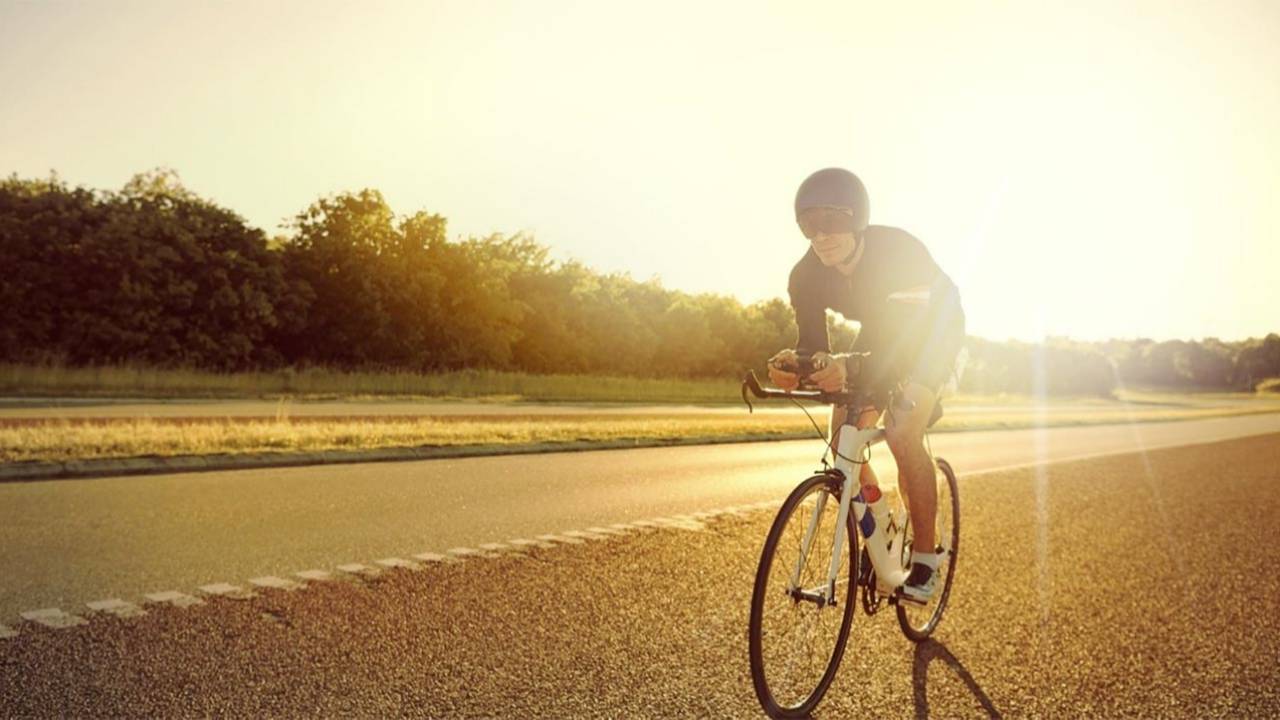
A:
(796, 639)
(919, 621)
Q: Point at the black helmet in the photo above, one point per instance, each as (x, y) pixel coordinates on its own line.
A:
(835, 187)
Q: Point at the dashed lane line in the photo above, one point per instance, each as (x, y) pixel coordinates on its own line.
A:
(174, 598)
(466, 552)
(527, 543)
(227, 590)
(117, 607)
(583, 535)
(401, 563)
(433, 558)
(605, 530)
(271, 582)
(56, 618)
(53, 618)
(680, 524)
(359, 569)
(560, 539)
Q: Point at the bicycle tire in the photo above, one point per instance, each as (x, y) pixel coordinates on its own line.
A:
(830, 484)
(917, 632)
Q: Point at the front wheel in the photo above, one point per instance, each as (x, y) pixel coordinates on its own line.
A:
(797, 639)
(918, 622)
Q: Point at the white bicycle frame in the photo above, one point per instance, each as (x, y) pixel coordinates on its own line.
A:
(890, 575)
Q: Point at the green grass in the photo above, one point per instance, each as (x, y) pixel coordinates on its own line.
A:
(122, 381)
(126, 381)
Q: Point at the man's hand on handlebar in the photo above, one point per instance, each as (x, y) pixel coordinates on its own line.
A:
(784, 370)
(829, 374)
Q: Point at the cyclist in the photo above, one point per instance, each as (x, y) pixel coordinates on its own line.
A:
(912, 327)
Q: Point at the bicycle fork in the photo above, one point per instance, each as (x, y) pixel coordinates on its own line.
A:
(826, 595)
(873, 524)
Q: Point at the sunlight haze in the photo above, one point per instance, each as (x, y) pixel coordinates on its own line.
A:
(1098, 170)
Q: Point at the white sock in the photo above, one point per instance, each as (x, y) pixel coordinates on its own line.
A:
(930, 559)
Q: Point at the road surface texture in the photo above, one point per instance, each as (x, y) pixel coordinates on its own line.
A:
(1129, 585)
(70, 542)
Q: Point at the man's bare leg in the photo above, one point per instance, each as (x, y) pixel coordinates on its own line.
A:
(868, 417)
(915, 468)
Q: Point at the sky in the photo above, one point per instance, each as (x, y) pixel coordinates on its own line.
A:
(1085, 169)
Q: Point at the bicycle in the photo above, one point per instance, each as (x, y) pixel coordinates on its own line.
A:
(806, 589)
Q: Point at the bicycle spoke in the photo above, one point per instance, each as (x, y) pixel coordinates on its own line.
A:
(799, 637)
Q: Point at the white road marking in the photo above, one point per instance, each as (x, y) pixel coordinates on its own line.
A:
(174, 598)
(524, 542)
(432, 558)
(53, 618)
(276, 583)
(680, 524)
(117, 607)
(466, 552)
(227, 590)
(395, 562)
(561, 539)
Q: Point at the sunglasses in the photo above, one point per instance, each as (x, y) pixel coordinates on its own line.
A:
(828, 221)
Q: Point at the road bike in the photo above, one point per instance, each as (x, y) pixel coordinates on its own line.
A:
(811, 571)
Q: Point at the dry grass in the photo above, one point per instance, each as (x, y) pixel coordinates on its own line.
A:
(61, 440)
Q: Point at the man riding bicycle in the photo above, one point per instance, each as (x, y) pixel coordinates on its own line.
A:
(912, 327)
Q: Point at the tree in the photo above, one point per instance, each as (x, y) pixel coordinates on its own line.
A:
(1257, 361)
(152, 274)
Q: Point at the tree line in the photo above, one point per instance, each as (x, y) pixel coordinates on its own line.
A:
(154, 274)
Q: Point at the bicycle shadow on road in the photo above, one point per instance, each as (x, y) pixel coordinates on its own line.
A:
(926, 653)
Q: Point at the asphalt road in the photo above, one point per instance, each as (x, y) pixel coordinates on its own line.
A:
(1122, 586)
(70, 542)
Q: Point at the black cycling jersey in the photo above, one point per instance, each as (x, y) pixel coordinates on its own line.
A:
(902, 299)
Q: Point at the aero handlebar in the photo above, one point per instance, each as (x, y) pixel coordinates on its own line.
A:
(752, 384)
